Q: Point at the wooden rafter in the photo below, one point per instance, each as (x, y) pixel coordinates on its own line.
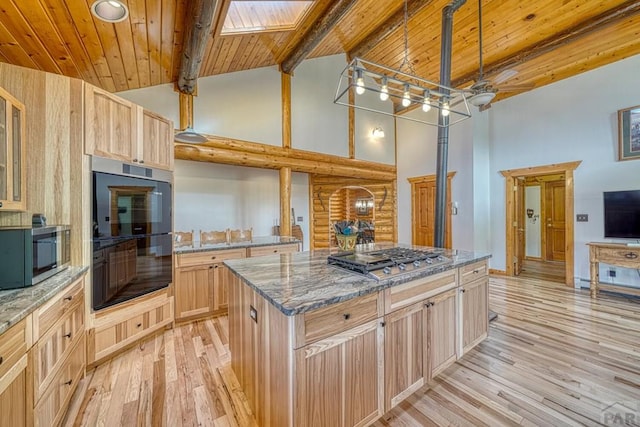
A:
(197, 32)
(383, 31)
(560, 39)
(315, 34)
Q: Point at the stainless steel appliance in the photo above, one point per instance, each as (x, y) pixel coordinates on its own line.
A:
(29, 255)
(385, 263)
(132, 245)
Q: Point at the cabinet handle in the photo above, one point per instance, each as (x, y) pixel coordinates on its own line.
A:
(0, 204)
(1, 360)
(138, 325)
(135, 160)
(631, 255)
(383, 324)
(275, 251)
(463, 290)
(211, 266)
(215, 266)
(69, 382)
(141, 161)
(347, 316)
(213, 257)
(476, 271)
(68, 298)
(68, 335)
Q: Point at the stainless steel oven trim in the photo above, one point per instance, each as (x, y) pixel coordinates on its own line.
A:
(100, 164)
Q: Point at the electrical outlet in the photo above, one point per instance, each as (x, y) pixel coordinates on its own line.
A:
(299, 219)
(612, 272)
(582, 218)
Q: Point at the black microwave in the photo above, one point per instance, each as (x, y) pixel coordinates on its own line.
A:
(30, 255)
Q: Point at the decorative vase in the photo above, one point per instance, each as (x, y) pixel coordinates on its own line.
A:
(347, 242)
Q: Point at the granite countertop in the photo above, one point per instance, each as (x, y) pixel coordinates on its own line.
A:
(302, 281)
(16, 304)
(256, 241)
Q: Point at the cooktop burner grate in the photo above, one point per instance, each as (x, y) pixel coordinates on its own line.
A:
(384, 259)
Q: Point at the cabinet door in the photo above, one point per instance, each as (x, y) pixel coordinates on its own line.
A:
(156, 145)
(338, 379)
(403, 353)
(441, 332)
(12, 182)
(110, 125)
(475, 312)
(220, 287)
(13, 395)
(194, 291)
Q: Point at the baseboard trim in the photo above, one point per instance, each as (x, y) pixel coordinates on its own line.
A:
(497, 272)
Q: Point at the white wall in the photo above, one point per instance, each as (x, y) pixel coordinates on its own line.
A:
(210, 196)
(417, 153)
(574, 119)
(532, 234)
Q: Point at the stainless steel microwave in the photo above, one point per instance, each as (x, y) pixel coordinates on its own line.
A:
(31, 255)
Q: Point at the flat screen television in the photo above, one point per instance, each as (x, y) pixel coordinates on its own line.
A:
(622, 214)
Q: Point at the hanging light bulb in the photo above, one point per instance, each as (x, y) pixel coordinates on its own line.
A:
(445, 109)
(426, 104)
(359, 82)
(406, 98)
(384, 90)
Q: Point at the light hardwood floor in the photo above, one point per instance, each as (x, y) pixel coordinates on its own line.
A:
(551, 271)
(553, 357)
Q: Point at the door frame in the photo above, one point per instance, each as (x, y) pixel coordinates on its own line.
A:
(510, 176)
(431, 178)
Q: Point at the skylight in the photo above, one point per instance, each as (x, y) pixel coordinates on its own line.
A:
(246, 16)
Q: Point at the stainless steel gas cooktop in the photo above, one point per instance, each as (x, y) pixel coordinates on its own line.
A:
(387, 263)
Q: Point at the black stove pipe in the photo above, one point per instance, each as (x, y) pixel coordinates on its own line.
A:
(443, 122)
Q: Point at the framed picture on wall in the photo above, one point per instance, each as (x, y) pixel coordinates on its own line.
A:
(629, 133)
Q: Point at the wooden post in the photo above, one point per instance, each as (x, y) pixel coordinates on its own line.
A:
(286, 110)
(186, 110)
(285, 201)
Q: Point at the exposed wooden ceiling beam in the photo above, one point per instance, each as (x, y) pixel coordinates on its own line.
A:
(383, 31)
(562, 38)
(195, 42)
(315, 34)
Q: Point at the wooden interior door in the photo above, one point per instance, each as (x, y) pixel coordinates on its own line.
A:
(423, 210)
(519, 244)
(554, 195)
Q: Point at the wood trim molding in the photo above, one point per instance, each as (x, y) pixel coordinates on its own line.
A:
(321, 27)
(244, 153)
(563, 38)
(510, 176)
(494, 272)
(428, 178)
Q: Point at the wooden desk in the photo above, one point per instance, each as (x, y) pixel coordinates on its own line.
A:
(617, 254)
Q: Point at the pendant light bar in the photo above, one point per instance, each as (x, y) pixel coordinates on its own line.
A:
(391, 85)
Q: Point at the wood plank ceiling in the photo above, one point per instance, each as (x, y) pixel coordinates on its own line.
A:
(543, 41)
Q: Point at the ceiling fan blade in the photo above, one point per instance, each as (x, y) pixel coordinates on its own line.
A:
(516, 88)
(504, 76)
(484, 107)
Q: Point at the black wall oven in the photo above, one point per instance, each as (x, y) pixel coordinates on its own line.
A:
(132, 245)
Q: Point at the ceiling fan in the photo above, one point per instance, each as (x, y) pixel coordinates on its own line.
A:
(482, 92)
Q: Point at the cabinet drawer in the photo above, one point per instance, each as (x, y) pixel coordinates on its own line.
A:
(624, 256)
(128, 327)
(52, 406)
(270, 250)
(54, 309)
(14, 343)
(324, 322)
(209, 257)
(55, 345)
(418, 290)
(472, 272)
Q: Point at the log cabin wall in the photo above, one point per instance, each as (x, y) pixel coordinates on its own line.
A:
(53, 149)
(322, 187)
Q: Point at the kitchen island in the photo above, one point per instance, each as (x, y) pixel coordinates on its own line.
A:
(315, 344)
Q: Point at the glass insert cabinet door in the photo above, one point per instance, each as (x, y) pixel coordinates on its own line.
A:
(12, 184)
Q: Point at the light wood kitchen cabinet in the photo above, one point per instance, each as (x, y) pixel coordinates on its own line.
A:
(474, 297)
(403, 353)
(441, 333)
(119, 129)
(273, 249)
(15, 404)
(111, 125)
(155, 148)
(201, 283)
(116, 328)
(338, 379)
(12, 153)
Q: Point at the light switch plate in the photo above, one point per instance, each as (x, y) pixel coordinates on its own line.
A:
(582, 217)
(299, 219)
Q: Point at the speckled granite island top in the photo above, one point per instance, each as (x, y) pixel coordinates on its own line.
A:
(16, 304)
(300, 282)
(255, 242)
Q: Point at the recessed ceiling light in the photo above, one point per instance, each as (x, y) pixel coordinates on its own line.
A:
(109, 10)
